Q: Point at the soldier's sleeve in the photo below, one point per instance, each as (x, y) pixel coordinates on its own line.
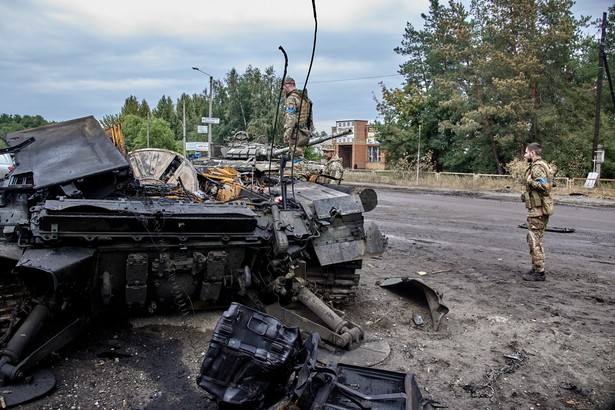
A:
(339, 172)
(539, 178)
(290, 115)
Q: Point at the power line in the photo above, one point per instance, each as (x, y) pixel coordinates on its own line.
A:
(355, 79)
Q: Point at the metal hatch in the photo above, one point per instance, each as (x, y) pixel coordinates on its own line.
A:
(64, 152)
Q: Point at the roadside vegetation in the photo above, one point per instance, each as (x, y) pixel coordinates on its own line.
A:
(473, 182)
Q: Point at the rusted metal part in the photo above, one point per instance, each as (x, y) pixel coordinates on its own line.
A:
(117, 137)
(349, 332)
(405, 285)
(290, 318)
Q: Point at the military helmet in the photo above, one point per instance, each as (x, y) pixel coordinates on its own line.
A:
(289, 80)
(327, 146)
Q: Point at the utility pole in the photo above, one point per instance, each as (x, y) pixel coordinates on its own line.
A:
(209, 125)
(601, 58)
(418, 156)
(184, 127)
(209, 130)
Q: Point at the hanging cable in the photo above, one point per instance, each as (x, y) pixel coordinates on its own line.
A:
(294, 147)
(277, 111)
(305, 83)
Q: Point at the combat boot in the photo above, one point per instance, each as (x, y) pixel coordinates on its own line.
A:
(532, 275)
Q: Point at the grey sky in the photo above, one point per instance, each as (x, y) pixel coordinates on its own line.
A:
(65, 59)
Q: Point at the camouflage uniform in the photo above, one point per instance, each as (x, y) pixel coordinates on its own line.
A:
(297, 129)
(539, 204)
(333, 168)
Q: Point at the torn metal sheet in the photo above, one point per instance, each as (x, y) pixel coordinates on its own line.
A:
(256, 360)
(404, 285)
(63, 153)
(357, 387)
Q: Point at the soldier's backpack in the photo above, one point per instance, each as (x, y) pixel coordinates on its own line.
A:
(305, 116)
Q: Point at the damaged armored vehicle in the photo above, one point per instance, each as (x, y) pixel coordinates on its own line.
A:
(85, 230)
(262, 161)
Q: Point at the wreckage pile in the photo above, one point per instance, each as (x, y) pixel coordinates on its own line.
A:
(255, 361)
(86, 229)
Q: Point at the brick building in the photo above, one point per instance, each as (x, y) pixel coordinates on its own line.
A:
(361, 149)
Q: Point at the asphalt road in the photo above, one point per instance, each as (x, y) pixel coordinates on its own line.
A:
(489, 224)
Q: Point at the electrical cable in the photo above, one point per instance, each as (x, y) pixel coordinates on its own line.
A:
(303, 92)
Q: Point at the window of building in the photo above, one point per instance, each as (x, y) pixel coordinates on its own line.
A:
(373, 154)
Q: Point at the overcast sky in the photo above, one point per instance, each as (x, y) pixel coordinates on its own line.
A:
(65, 59)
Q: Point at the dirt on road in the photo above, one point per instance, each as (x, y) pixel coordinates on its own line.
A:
(505, 343)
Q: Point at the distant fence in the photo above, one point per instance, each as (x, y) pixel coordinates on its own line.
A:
(463, 179)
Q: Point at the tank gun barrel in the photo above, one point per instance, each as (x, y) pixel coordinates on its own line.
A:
(312, 141)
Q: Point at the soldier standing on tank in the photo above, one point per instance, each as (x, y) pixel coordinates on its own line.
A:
(539, 204)
(297, 118)
(333, 166)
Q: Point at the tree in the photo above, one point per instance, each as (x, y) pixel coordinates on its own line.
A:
(491, 79)
(248, 103)
(135, 130)
(13, 123)
(131, 106)
(109, 121)
(166, 110)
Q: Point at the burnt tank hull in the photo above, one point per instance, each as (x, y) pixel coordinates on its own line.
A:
(81, 233)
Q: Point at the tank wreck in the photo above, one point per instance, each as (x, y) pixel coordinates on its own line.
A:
(86, 229)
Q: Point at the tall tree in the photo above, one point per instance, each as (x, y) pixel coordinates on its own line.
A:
(135, 130)
(493, 78)
(166, 110)
(131, 106)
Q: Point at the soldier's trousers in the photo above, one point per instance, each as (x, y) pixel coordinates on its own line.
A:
(535, 232)
(301, 137)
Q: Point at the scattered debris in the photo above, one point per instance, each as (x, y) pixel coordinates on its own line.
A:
(513, 362)
(255, 360)
(551, 228)
(497, 319)
(407, 285)
(423, 273)
(86, 230)
(418, 319)
(585, 392)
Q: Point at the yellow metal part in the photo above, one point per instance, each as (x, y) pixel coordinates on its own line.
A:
(231, 182)
(117, 137)
(228, 192)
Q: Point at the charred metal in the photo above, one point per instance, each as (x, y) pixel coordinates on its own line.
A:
(86, 229)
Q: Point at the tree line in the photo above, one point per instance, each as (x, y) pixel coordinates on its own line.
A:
(244, 102)
(483, 81)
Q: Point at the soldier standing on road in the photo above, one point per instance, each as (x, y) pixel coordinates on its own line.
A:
(539, 204)
(333, 166)
(297, 118)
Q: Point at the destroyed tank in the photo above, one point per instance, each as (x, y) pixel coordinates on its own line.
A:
(84, 229)
(263, 160)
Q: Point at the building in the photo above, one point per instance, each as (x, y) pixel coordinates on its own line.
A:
(360, 149)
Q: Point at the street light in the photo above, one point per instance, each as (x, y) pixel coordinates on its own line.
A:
(209, 125)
